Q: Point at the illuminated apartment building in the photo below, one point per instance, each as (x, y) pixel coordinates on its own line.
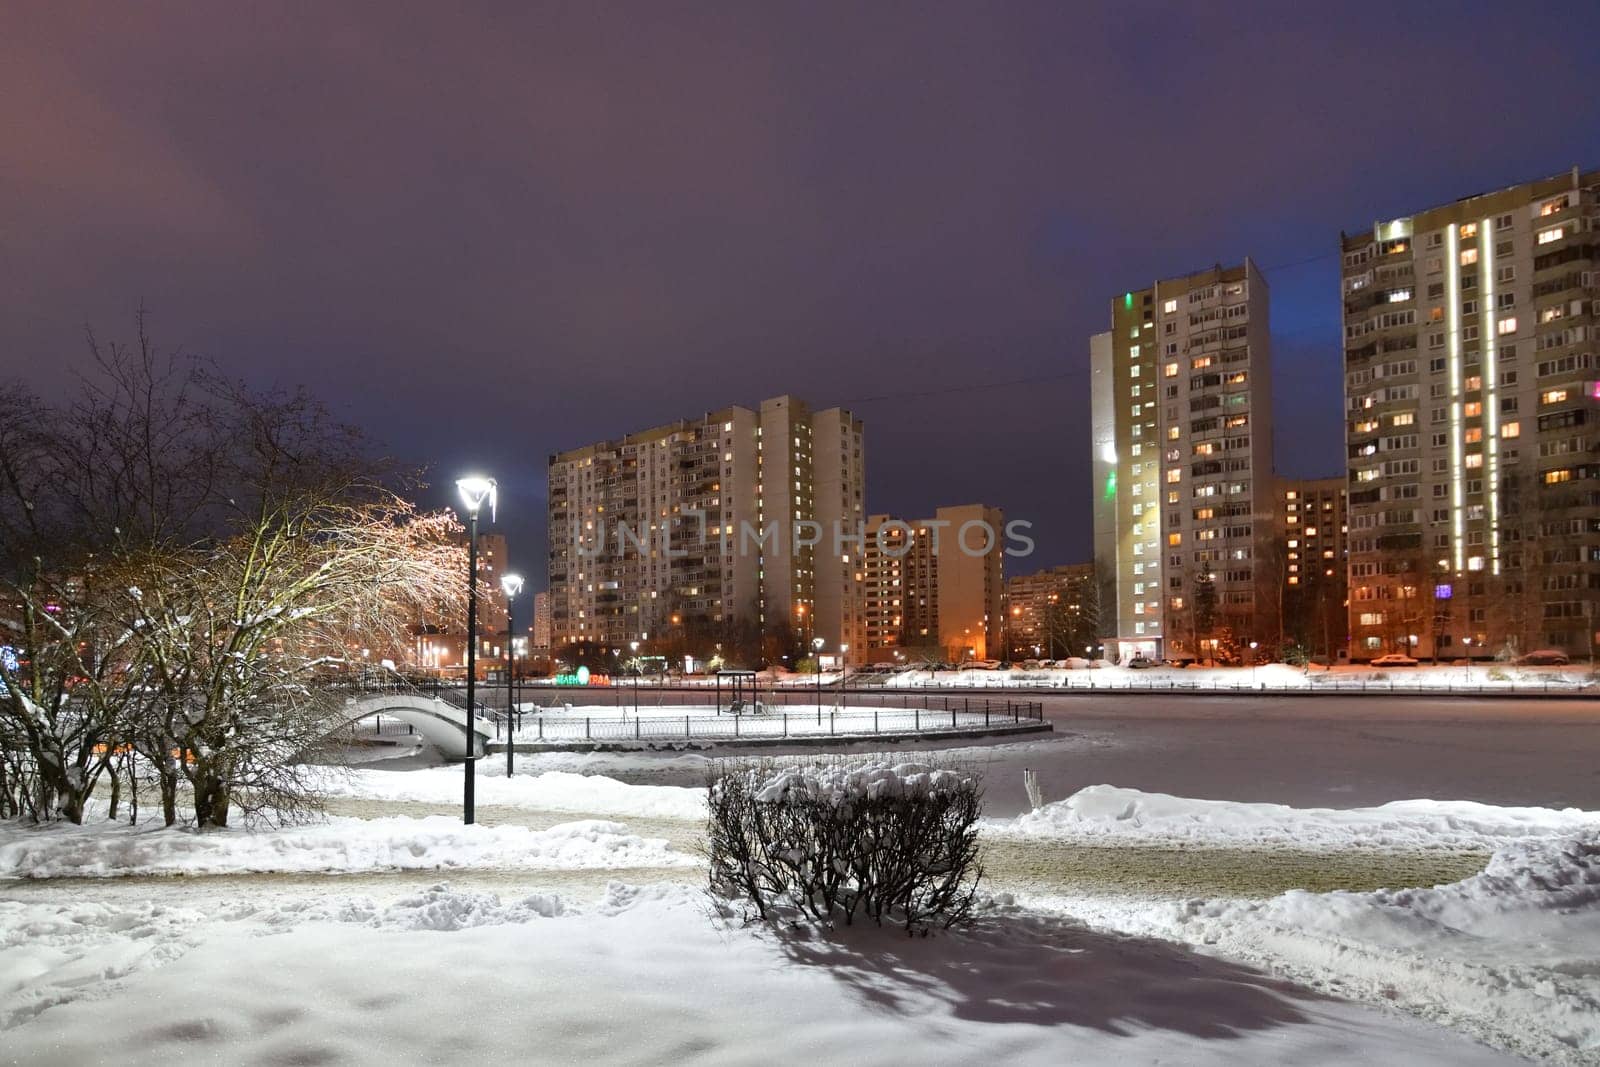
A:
(695, 520)
(1471, 405)
(1053, 613)
(1315, 550)
(1181, 392)
(932, 590)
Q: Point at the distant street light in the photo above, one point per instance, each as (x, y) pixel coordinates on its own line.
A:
(511, 585)
(474, 491)
(634, 645)
(1253, 659)
(816, 661)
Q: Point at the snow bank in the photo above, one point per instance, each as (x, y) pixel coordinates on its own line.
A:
(549, 791)
(338, 845)
(1510, 955)
(840, 783)
(1110, 814)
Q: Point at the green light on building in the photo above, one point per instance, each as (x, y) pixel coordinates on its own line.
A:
(1111, 486)
(1127, 300)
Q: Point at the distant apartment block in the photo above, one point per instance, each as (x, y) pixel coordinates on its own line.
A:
(1048, 611)
(1181, 425)
(1314, 533)
(541, 621)
(710, 507)
(1472, 400)
(935, 587)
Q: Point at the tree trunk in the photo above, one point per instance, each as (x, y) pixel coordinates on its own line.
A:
(211, 800)
(168, 777)
(116, 795)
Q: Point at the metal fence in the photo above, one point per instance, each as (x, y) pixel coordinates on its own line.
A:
(930, 717)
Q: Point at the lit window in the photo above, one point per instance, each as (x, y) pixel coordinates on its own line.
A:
(1473, 409)
(1469, 229)
(1169, 307)
(1507, 325)
(1170, 370)
(1511, 429)
(1469, 256)
(1555, 234)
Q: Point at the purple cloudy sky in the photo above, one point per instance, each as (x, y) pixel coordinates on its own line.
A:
(491, 231)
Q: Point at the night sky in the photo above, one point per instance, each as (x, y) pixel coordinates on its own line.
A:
(493, 234)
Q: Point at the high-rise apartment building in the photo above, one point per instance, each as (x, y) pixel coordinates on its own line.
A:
(541, 621)
(936, 586)
(1181, 392)
(1471, 405)
(1314, 533)
(731, 518)
(1053, 613)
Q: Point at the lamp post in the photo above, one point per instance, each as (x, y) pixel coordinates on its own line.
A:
(844, 663)
(634, 645)
(816, 661)
(474, 491)
(511, 585)
(1252, 664)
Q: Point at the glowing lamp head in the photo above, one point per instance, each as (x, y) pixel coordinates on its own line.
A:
(511, 584)
(817, 643)
(474, 491)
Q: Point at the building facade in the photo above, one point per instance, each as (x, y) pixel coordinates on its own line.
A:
(1184, 504)
(1314, 537)
(1053, 613)
(541, 622)
(1471, 406)
(730, 518)
(935, 587)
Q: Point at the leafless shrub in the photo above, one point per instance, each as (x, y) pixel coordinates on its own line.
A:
(830, 843)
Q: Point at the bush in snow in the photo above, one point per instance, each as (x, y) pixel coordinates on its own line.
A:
(835, 842)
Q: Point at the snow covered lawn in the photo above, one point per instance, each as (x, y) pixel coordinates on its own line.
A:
(336, 846)
(645, 977)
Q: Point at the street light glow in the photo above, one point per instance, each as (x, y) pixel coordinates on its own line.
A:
(511, 584)
(475, 489)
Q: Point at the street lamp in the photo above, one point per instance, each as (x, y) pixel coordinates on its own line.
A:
(634, 645)
(511, 585)
(816, 661)
(1253, 664)
(474, 491)
(844, 666)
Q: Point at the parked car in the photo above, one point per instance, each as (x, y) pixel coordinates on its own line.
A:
(1544, 657)
(1139, 663)
(1394, 659)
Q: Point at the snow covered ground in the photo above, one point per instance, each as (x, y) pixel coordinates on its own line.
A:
(336, 846)
(372, 967)
(1105, 814)
(1510, 955)
(641, 976)
(551, 790)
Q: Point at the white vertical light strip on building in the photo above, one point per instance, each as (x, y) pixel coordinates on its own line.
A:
(1453, 317)
(1491, 338)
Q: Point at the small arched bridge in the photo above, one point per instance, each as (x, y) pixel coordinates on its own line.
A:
(438, 721)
